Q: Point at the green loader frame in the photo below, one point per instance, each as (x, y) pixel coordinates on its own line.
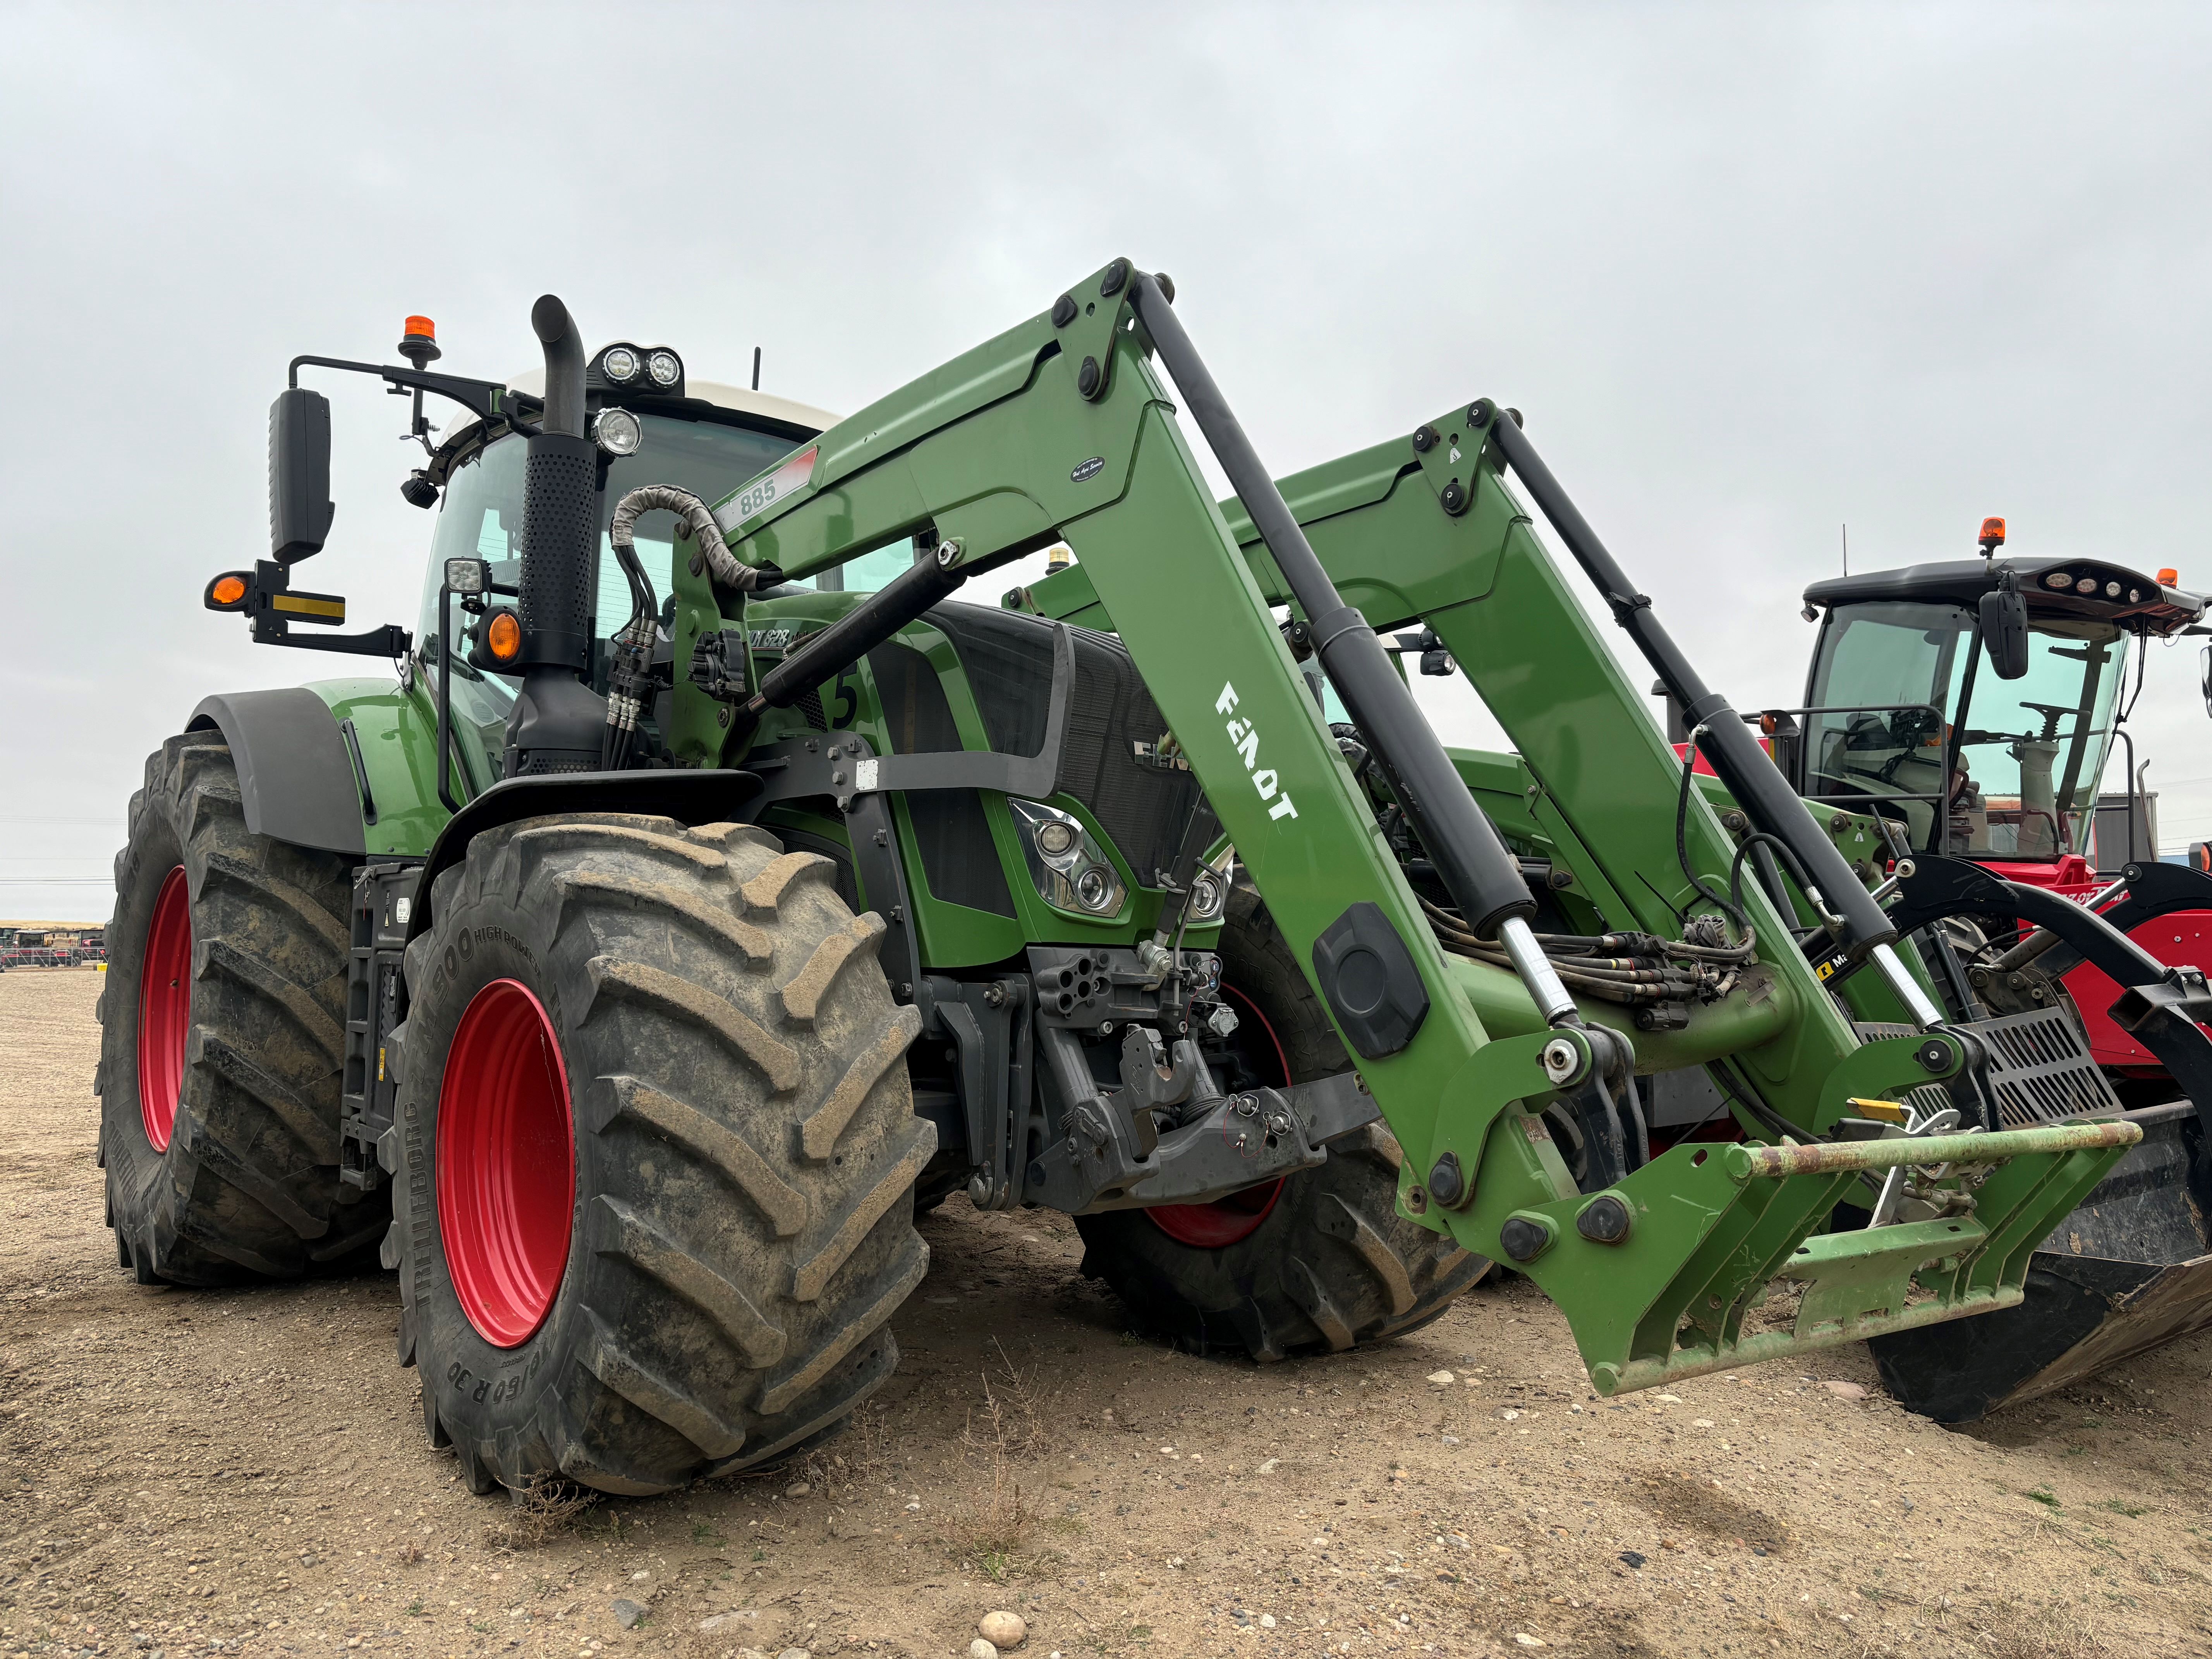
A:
(1004, 451)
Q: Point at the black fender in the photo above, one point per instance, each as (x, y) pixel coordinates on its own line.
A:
(298, 780)
(691, 797)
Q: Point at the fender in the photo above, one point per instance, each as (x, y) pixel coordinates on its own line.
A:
(297, 779)
(690, 797)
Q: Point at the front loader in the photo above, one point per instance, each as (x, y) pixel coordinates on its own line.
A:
(708, 944)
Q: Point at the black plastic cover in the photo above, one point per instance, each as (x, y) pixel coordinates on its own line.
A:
(299, 509)
(295, 778)
(1368, 976)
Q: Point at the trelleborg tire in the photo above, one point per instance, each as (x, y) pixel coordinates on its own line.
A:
(223, 1018)
(657, 1153)
(1324, 1261)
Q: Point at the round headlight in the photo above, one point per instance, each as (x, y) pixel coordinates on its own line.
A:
(2058, 579)
(1055, 837)
(664, 368)
(2112, 590)
(619, 365)
(1094, 890)
(617, 431)
(2086, 585)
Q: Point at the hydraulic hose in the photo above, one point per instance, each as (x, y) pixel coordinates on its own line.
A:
(712, 554)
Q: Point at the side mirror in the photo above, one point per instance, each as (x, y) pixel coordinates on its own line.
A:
(2004, 629)
(2204, 676)
(299, 507)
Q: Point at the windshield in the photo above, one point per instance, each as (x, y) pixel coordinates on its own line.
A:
(2024, 755)
(482, 518)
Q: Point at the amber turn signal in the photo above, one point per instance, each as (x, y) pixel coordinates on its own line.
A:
(503, 636)
(225, 593)
(2169, 579)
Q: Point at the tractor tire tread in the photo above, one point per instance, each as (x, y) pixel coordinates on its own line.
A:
(248, 1187)
(679, 1345)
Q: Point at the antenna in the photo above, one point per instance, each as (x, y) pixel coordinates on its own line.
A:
(756, 350)
(1847, 550)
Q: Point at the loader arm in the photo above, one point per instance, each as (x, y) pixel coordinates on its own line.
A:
(1061, 429)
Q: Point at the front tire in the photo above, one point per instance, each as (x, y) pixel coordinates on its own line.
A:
(658, 1151)
(223, 1023)
(1319, 1261)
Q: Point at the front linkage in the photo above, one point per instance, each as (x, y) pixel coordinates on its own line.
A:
(1059, 428)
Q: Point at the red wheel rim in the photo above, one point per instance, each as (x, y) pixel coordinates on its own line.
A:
(165, 1008)
(1234, 1218)
(506, 1164)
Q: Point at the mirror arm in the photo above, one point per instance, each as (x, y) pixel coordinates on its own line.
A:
(488, 400)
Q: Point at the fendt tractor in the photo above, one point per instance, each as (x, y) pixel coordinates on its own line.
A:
(696, 907)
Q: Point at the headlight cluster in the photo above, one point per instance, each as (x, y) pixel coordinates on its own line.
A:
(655, 368)
(1071, 869)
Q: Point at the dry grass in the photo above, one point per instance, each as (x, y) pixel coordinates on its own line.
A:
(994, 1531)
(534, 1517)
(2054, 1631)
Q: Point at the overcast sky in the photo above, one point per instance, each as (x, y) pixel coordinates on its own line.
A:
(1752, 272)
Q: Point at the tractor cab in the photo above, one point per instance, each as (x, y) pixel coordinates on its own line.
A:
(651, 423)
(1972, 703)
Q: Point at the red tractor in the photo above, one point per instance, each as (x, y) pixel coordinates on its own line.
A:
(1972, 706)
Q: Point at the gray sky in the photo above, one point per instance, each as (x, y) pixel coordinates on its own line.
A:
(1751, 271)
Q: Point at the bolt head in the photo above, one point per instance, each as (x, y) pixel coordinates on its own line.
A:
(1424, 438)
(1063, 311)
(1110, 284)
(1523, 1240)
(1934, 1054)
(1454, 498)
(1604, 1220)
(1447, 1181)
(1478, 413)
(1562, 1059)
(1086, 378)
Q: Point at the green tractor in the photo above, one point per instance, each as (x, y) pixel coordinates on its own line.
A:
(689, 909)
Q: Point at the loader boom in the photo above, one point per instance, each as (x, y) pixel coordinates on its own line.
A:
(1061, 429)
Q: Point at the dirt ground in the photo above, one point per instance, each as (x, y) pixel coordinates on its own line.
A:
(245, 1472)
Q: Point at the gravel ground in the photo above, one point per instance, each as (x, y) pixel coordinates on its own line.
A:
(246, 1472)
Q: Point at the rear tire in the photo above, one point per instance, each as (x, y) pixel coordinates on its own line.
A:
(222, 1033)
(1330, 1264)
(736, 1215)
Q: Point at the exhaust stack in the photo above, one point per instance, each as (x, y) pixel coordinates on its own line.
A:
(555, 723)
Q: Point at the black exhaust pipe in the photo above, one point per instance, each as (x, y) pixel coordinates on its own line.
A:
(555, 725)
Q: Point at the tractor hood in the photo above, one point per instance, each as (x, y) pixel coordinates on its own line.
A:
(2058, 587)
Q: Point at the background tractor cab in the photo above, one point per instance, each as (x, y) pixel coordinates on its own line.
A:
(1972, 704)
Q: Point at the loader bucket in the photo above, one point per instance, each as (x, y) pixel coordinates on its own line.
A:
(2129, 1269)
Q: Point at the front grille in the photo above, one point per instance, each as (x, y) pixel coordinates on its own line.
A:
(959, 859)
(1008, 658)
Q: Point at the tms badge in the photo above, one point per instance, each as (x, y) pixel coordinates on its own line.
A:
(1089, 469)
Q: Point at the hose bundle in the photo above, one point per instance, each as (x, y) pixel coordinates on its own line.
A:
(630, 681)
(1632, 970)
(713, 554)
